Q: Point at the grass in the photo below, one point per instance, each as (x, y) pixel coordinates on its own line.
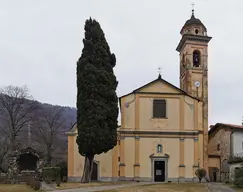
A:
(15, 188)
(173, 187)
(74, 185)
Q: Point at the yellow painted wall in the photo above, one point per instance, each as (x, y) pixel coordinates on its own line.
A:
(189, 157)
(146, 120)
(183, 112)
(189, 109)
(129, 156)
(71, 153)
(76, 170)
(159, 87)
(148, 147)
(128, 113)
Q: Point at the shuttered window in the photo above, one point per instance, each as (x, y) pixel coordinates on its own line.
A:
(159, 108)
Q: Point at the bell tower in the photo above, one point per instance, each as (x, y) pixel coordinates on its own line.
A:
(193, 49)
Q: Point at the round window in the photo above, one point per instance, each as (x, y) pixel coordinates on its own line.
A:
(196, 31)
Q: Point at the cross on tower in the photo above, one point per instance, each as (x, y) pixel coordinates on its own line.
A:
(193, 4)
(159, 71)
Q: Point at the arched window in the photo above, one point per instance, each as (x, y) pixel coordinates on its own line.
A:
(159, 148)
(196, 58)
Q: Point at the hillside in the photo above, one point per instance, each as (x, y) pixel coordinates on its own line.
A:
(69, 114)
(46, 120)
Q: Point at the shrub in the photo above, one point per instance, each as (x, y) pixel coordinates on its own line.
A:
(200, 173)
(51, 173)
(238, 181)
(63, 170)
(239, 172)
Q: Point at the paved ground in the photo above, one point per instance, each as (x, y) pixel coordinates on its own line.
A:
(219, 187)
(103, 188)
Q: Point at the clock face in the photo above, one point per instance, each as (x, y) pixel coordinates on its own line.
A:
(197, 83)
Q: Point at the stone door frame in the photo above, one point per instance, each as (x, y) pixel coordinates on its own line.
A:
(156, 158)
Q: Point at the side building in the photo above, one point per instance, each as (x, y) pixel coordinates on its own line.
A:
(225, 151)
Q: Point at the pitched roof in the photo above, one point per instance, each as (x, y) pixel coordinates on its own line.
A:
(219, 126)
(159, 79)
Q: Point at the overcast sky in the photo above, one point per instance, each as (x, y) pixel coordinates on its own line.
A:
(41, 40)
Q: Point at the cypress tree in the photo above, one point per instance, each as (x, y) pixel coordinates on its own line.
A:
(97, 102)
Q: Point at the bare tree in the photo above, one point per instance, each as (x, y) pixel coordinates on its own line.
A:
(48, 129)
(4, 150)
(16, 111)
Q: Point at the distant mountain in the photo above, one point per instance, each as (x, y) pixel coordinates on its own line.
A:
(69, 114)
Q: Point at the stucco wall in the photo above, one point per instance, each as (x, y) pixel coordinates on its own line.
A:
(159, 87)
(182, 150)
(75, 170)
(189, 112)
(148, 147)
(183, 112)
(128, 112)
(147, 122)
(129, 156)
(189, 158)
(237, 143)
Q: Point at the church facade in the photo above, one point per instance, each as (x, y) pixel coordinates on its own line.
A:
(164, 129)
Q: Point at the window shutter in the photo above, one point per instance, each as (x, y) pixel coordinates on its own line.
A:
(159, 109)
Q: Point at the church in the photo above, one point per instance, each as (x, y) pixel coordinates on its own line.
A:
(164, 129)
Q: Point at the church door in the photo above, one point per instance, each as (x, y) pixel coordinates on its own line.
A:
(159, 171)
(94, 175)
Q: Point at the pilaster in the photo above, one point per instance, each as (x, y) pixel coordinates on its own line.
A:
(136, 112)
(122, 156)
(115, 162)
(182, 112)
(137, 163)
(71, 156)
(182, 158)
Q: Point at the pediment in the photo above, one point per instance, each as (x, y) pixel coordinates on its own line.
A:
(159, 86)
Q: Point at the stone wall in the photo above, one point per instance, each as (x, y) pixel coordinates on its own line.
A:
(219, 144)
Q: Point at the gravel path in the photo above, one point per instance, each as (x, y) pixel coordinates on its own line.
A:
(219, 187)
